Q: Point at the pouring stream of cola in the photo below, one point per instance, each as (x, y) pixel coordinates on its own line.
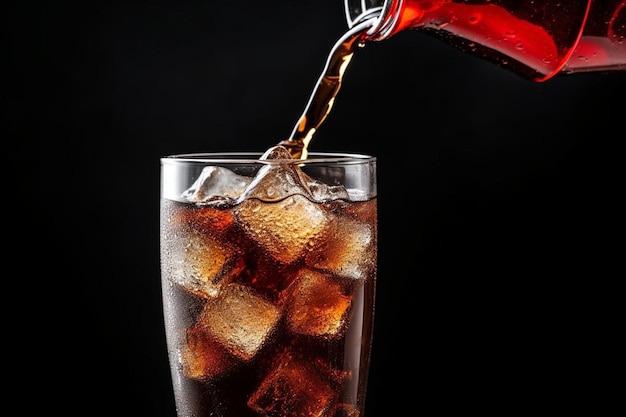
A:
(326, 89)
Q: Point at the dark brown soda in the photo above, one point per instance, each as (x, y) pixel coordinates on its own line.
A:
(335, 366)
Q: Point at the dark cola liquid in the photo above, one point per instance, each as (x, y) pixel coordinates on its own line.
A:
(312, 328)
(536, 39)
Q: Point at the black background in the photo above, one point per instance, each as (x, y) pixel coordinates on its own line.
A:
(500, 216)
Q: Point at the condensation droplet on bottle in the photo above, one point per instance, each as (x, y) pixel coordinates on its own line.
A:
(519, 45)
(587, 58)
(474, 19)
(509, 34)
(439, 24)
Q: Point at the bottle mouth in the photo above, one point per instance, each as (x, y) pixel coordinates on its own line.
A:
(360, 10)
(377, 12)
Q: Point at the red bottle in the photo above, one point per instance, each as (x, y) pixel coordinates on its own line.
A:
(536, 39)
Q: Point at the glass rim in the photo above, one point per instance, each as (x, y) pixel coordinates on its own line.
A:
(253, 158)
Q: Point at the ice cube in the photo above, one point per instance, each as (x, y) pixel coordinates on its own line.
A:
(240, 320)
(294, 387)
(216, 182)
(285, 228)
(317, 305)
(347, 249)
(324, 192)
(202, 358)
(277, 180)
(200, 263)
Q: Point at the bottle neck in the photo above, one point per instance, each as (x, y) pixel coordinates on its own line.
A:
(385, 15)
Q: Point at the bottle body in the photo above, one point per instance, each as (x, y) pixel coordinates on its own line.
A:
(534, 39)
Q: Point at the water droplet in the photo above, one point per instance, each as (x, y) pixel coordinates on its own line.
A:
(474, 19)
(439, 23)
(519, 45)
(509, 34)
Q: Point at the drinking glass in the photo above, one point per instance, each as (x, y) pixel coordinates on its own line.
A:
(268, 269)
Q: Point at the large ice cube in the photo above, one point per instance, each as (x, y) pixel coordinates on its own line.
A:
(285, 228)
(277, 180)
(294, 388)
(214, 182)
(240, 320)
(200, 264)
(316, 305)
(347, 249)
(202, 358)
